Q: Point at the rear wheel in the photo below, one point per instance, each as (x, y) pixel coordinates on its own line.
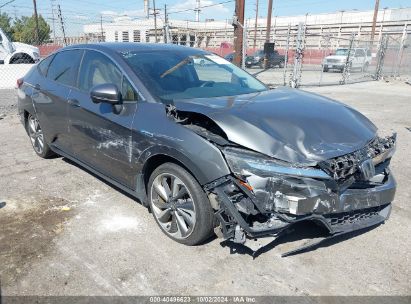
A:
(36, 135)
(179, 205)
(281, 64)
(325, 69)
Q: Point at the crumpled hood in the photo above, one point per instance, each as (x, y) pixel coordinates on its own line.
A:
(287, 124)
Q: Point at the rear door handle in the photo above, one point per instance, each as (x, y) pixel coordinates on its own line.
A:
(74, 103)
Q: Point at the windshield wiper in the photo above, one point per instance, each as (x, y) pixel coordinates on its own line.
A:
(179, 65)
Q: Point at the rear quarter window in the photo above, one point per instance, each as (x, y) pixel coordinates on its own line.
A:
(44, 65)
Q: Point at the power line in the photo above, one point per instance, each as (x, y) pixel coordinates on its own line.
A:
(200, 7)
(3, 5)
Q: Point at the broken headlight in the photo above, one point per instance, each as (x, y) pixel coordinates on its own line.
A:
(244, 163)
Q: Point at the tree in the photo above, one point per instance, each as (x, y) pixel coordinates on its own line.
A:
(5, 24)
(24, 30)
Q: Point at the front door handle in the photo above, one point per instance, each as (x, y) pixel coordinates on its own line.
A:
(74, 103)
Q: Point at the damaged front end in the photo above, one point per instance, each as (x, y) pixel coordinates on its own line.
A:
(264, 197)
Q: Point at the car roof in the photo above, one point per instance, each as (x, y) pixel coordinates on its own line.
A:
(138, 47)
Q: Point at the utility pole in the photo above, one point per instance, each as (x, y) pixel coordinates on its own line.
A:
(255, 25)
(54, 19)
(62, 24)
(197, 10)
(147, 8)
(166, 27)
(374, 19)
(268, 30)
(101, 28)
(238, 24)
(155, 20)
(36, 19)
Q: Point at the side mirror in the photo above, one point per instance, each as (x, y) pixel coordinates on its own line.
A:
(106, 93)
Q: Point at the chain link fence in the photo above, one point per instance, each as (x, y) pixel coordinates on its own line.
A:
(306, 55)
(313, 59)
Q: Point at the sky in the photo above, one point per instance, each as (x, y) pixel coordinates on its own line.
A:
(79, 12)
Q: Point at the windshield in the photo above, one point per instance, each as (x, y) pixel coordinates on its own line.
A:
(171, 76)
(341, 52)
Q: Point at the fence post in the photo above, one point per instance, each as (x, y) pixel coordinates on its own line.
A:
(298, 58)
(287, 46)
(348, 62)
(244, 45)
(381, 54)
(327, 39)
(400, 51)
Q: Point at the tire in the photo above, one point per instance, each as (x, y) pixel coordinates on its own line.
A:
(189, 220)
(248, 66)
(36, 135)
(281, 64)
(325, 70)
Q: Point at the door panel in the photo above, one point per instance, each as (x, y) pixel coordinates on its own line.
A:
(50, 96)
(99, 137)
(50, 101)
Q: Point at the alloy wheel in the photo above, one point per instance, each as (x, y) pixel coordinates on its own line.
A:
(173, 206)
(36, 134)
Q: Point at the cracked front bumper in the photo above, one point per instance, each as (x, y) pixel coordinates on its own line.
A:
(350, 210)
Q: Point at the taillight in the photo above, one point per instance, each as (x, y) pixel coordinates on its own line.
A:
(20, 82)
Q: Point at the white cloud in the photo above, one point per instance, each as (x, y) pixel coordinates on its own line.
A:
(216, 11)
(219, 11)
(109, 13)
(81, 17)
(129, 13)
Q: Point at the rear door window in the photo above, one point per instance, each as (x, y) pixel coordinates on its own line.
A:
(64, 67)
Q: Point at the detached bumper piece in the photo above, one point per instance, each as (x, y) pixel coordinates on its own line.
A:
(244, 218)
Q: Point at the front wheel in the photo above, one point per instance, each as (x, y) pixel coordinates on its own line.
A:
(365, 67)
(36, 135)
(179, 205)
